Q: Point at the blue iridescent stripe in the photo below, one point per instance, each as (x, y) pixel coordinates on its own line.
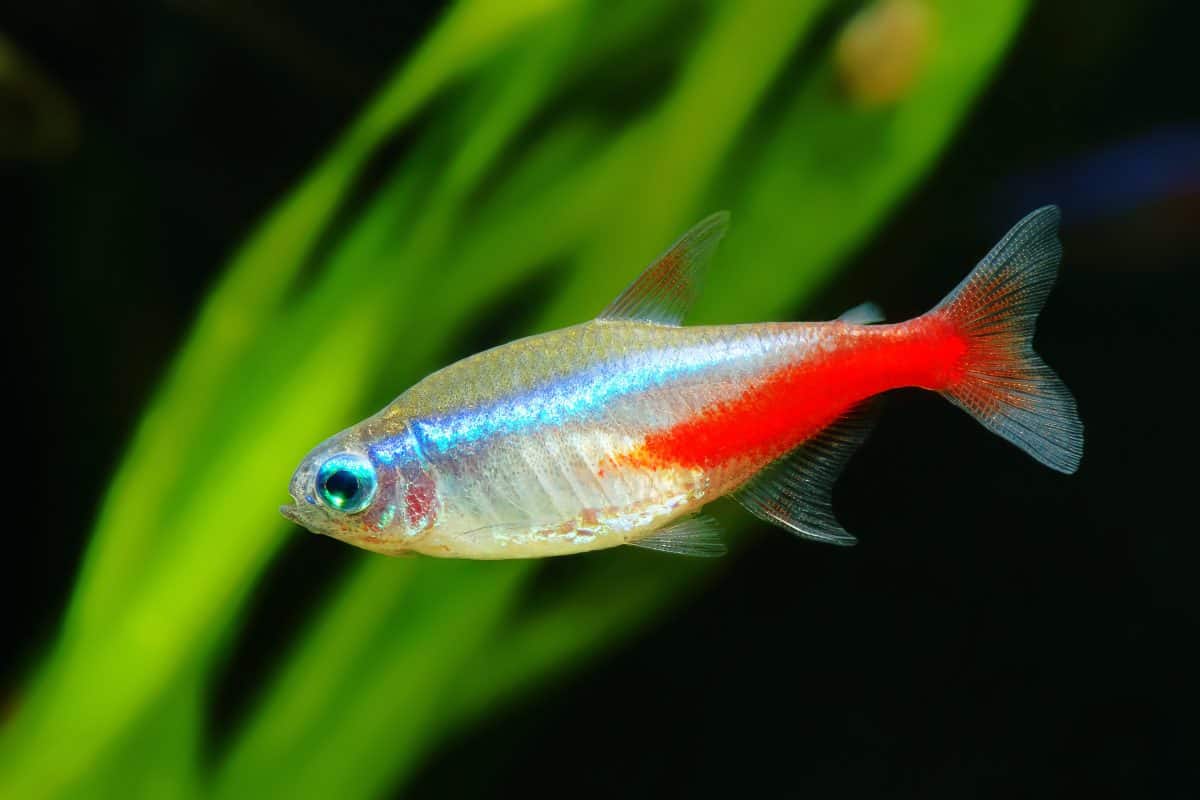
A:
(574, 397)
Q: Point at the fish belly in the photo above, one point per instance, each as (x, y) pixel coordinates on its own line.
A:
(559, 491)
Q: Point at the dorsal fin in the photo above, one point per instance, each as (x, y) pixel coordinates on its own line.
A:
(796, 492)
(666, 289)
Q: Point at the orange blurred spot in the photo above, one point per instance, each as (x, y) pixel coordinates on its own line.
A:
(880, 53)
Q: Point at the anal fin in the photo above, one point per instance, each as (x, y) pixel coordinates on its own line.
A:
(796, 492)
(693, 536)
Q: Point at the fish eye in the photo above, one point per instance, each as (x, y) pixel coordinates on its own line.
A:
(346, 483)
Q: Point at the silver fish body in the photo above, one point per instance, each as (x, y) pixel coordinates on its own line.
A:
(516, 451)
(618, 430)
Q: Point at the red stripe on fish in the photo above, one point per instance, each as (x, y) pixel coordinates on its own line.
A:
(792, 404)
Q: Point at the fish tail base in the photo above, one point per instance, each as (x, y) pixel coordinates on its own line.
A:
(1000, 380)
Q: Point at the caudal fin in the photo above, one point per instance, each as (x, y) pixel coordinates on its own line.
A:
(1005, 385)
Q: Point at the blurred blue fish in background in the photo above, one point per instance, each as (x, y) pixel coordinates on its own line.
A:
(1160, 166)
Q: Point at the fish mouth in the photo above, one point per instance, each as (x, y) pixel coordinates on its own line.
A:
(299, 514)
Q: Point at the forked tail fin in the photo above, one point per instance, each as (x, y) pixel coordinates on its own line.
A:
(1004, 384)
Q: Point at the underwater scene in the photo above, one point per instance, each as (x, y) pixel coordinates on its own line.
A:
(483, 399)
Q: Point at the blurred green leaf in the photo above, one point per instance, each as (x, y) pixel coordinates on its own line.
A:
(37, 118)
(513, 169)
(244, 306)
(163, 762)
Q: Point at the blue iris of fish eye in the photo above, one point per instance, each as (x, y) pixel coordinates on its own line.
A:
(346, 483)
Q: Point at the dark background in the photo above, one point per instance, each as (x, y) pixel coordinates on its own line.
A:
(1001, 629)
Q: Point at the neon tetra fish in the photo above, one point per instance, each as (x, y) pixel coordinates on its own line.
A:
(617, 431)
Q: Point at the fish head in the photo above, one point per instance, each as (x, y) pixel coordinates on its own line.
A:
(369, 491)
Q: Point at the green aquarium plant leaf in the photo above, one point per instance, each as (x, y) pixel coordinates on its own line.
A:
(164, 761)
(528, 159)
